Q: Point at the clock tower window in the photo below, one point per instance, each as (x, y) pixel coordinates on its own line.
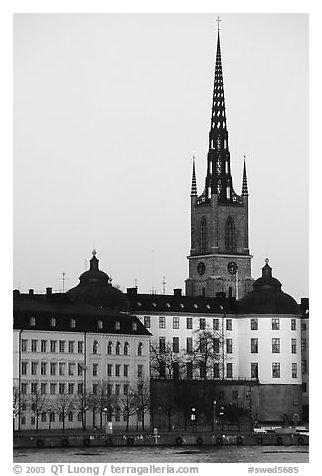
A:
(230, 236)
(203, 235)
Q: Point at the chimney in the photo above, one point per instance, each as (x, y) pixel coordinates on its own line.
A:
(132, 291)
(31, 292)
(177, 292)
(49, 291)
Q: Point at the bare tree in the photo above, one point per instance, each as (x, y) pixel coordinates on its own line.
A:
(209, 348)
(18, 402)
(38, 404)
(103, 401)
(82, 403)
(165, 362)
(129, 405)
(143, 398)
(63, 405)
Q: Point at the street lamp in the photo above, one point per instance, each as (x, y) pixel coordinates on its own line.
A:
(214, 414)
(49, 411)
(193, 419)
(105, 413)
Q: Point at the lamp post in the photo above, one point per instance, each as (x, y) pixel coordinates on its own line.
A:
(105, 413)
(193, 420)
(214, 414)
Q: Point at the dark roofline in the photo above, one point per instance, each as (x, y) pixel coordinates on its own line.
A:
(180, 303)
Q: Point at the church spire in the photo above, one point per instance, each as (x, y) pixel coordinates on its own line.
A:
(194, 181)
(245, 186)
(218, 113)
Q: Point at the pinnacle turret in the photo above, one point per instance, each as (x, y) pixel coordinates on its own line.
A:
(245, 186)
(194, 181)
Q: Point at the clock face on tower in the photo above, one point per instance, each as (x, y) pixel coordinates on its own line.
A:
(232, 267)
(201, 268)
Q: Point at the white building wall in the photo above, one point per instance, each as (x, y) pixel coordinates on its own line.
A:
(86, 359)
(265, 357)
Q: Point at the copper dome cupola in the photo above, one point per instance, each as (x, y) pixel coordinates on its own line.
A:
(95, 288)
(267, 297)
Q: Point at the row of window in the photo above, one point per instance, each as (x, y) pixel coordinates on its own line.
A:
(60, 368)
(275, 323)
(52, 346)
(72, 323)
(218, 368)
(118, 348)
(70, 346)
(189, 323)
(52, 417)
(213, 346)
(276, 345)
(63, 388)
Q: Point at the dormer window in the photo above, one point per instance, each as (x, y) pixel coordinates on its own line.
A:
(117, 325)
(134, 326)
(52, 322)
(99, 324)
(73, 323)
(32, 321)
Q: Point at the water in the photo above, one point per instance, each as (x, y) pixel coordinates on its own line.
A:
(210, 454)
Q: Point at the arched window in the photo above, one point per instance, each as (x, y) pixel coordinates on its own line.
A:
(126, 348)
(230, 236)
(118, 348)
(140, 348)
(203, 235)
(95, 347)
(109, 348)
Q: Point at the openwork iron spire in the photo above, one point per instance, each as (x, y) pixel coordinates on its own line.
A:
(218, 115)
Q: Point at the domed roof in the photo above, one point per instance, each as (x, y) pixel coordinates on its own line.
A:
(95, 288)
(267, 297)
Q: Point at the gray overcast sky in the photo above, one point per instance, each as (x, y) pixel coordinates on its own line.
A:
(108, 112)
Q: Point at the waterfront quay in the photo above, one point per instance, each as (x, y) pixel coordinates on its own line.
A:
(72, 438)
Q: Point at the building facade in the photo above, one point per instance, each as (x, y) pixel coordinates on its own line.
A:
(81, 359)
(254, 340)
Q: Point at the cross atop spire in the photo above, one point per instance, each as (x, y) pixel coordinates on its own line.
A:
(218, 21)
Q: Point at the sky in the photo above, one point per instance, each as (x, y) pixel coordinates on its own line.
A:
(109, 110)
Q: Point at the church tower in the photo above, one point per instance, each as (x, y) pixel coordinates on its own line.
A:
(219, 259)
